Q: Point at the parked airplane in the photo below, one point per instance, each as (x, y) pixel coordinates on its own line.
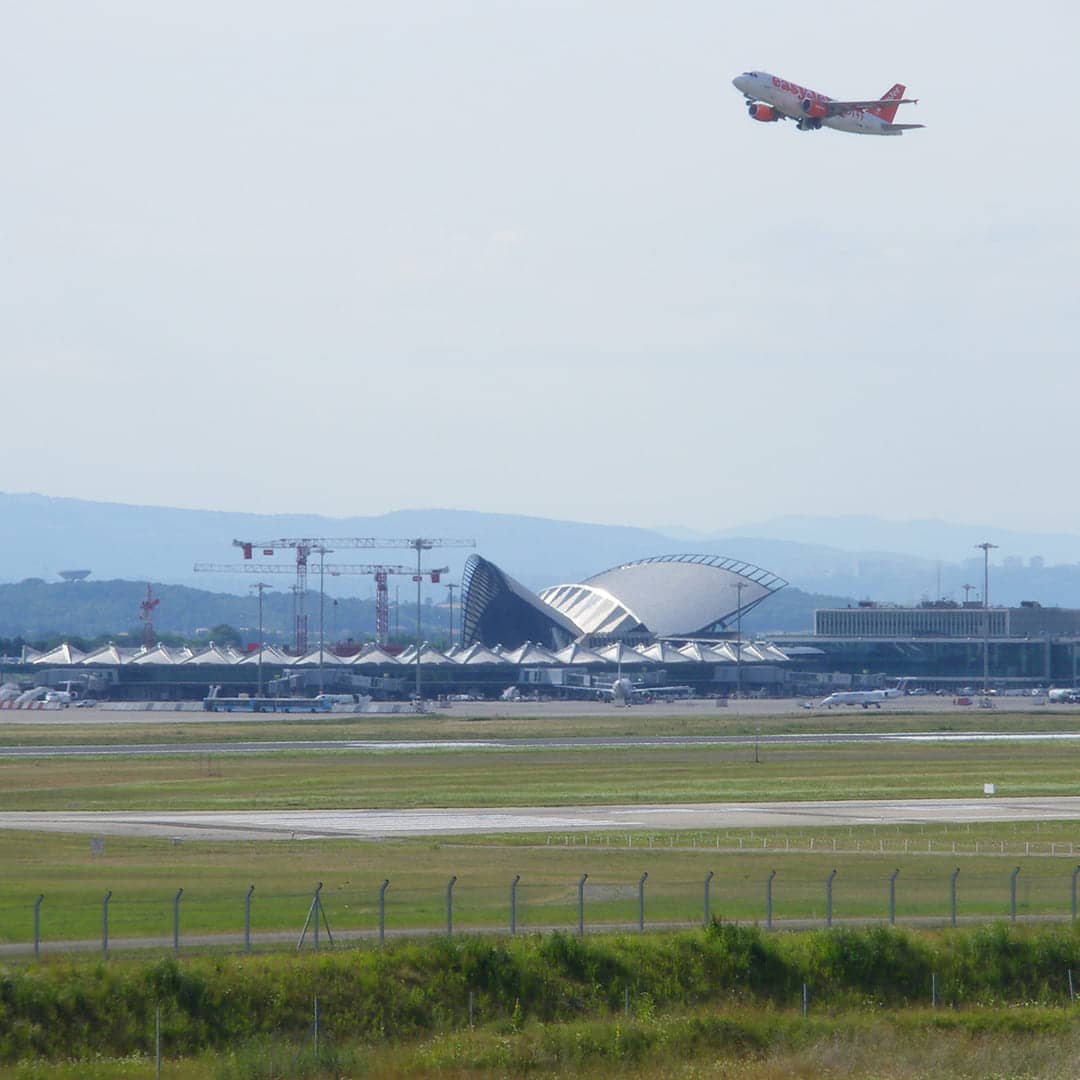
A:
(865, 698)
(1063, 697)
(771, 98)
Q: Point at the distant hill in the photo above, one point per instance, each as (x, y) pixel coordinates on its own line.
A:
(924, 539)
(34, 610)
(847, 558)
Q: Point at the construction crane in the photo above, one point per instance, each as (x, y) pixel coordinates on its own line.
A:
(380, 572)
(306, 546)
(146, 615)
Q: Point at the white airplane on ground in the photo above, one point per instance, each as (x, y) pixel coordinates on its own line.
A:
(1063, 697)
(771, 98)
(865, 698)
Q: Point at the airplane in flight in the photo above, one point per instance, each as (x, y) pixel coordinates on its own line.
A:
(865, 698)
(771, 98)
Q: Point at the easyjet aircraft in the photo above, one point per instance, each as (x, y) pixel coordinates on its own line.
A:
(772, 98)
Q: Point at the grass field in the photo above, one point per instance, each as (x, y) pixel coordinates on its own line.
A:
(144, 875)
(750, 1041)
(69, 728)
(337, 779)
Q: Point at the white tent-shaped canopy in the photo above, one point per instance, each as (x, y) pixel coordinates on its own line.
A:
(578, 654)
(374, 655)
(529, 653)
(662, 652)
(161, 654)
(271, 654)
(477, 654)
(428, 655)
(107, 654)
(620, 653)
(213, 654)
(312, 659)
(62, 654)
(702, 654)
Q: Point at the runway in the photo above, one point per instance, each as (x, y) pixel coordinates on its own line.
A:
(584, 742)
(384, 824)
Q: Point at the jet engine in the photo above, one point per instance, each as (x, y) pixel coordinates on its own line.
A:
(764, 113)
(816, 110)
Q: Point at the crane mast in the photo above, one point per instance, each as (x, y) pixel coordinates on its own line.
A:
(305, 547)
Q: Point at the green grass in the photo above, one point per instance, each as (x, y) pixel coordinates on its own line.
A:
(144, 875)
(607, 1006)
(335, 779)
(89, 727)
(750, 1044)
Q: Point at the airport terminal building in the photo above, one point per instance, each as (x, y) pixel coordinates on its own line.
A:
(945, 645)
(671, 623)
(668, 597)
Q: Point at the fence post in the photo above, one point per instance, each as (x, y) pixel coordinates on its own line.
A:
(892, 897)
(176, 921)
(581, 905)
(247, 919)
(768, 900)
(1076, 870)
(708, 880)
(105, 924)
(641, 902)
(1012, 893)
(828, 899)
(450, 906)
(952, 894)
(513, 904)
(37, 924)
(382, 910)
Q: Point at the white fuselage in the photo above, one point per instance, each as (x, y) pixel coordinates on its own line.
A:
(788, 97)
(865, 698)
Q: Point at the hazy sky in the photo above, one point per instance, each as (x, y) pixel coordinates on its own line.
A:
(534, 257)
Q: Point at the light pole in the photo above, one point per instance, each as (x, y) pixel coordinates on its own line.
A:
(260, 586)
(419, 545)
(986, 547)
(450, 589)
(323, 552)
(739, 586)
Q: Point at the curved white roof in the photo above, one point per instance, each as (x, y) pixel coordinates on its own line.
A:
(593, 610)
(669, 594)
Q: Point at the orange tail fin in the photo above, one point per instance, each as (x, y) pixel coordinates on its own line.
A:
(887, 112)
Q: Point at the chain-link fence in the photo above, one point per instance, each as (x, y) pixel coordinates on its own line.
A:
(915, 892)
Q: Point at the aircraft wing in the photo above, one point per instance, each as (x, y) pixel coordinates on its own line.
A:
(903, 127)
(837, 107)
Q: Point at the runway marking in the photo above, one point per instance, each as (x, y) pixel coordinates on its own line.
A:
(372, 824)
